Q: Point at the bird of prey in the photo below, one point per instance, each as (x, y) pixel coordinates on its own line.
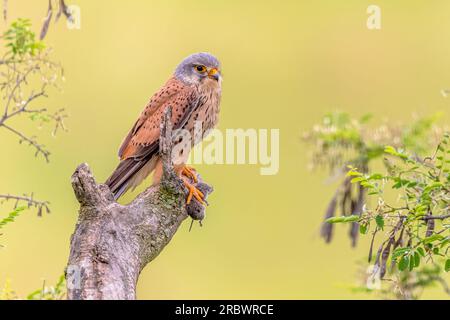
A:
(193, 93)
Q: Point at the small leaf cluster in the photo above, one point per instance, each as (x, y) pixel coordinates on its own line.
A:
(340, 140)
(20, 40)
(53, 292)
(416, 225)
(56, 292)
(11, 216)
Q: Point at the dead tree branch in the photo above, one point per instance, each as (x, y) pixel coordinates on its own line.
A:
(112, 243)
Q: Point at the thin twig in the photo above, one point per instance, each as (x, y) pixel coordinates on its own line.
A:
(29, 200)
(39, 148)
(442, 217)
(18, 70)
(5, 10)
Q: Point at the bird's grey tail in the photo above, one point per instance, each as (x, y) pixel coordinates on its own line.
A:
(119, 181)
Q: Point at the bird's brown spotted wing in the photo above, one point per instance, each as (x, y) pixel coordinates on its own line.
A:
(145, 133)
(142, 142)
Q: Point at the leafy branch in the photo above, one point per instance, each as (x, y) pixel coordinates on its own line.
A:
(11, 216)
(413, 232)
(423, 186)
(27, 72)
(20, 204)
(26, 62)
(59, 6)
(56, 292)
(340, 141)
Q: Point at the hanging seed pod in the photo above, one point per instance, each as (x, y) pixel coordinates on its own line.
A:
(357, 208)
(384, 258)
(64, 9)
(430, 225)
(5, 10)
(376, 266)
(47, 20)
(326, 231)
(371, 245)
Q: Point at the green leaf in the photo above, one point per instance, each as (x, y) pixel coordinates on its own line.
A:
(376, 176)
(400, 252)
(352, 218)
(11, 216)
(411, 263)
(447, 265)
(341, 219)
(416, 259)
(421, 251)
(365, 118)
(412, 184)
(404, 263)
(21, 40)
(432, 186)
(353, 172)
(35, 295)
(391, 150)
(363, 228)
(380, 221)
(432, 238)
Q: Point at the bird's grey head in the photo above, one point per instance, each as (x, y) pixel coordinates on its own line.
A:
(198, 68)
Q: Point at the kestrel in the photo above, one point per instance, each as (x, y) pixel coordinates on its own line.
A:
(193, 93)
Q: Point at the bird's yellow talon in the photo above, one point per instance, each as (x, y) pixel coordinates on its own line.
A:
(190, 173)
(194, 192)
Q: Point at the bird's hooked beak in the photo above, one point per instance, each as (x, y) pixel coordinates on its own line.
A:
(213, 73)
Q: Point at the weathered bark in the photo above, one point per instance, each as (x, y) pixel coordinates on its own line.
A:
(112, 243)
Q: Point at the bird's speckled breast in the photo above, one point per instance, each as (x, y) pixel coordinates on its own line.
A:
(208, 112)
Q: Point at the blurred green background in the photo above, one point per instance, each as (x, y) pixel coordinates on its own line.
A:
(285, 64)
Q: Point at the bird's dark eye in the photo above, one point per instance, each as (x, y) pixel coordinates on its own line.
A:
(200, 68)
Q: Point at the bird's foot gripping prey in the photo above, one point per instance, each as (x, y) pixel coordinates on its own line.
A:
(189, 176)
(189, 172)
(193, 93)
(194, 192)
